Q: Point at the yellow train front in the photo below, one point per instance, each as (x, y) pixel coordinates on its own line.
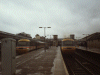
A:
(23, 46)
(68, 46)
(26, 45)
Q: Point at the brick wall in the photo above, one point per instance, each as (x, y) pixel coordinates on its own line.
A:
(94, 44)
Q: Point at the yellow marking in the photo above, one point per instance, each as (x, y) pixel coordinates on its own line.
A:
(67, 40)
(24, 40)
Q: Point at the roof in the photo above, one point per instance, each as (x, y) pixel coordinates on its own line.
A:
(67, 40)
(10, 35)
(94, 36)
(24, 40)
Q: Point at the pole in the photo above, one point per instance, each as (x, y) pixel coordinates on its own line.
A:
(86, 42)
(44, 40)
(44, 37)
(50, 40)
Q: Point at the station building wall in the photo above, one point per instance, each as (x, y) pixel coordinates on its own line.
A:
(94, 44)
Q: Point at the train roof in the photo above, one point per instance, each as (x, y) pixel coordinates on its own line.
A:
(68, 39)
(24, 40)
(40, 42)
(31, 40)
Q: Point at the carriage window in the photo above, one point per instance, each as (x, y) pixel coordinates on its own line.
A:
(68, 43)
(23, 43)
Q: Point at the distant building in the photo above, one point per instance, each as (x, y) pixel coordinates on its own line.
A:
(94, 40)
(55, 40)
(72, 36)
(24, 34)
(37, 36)
(55, 37)
(91, 41)
(42, 38)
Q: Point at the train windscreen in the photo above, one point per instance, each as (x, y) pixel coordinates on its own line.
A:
(68, 43)
(23, 44)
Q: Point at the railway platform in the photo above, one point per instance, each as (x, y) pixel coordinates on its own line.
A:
(94, 50)
(42, 63)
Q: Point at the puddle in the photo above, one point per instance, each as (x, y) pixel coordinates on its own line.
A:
(18, 71)
(38, 57)
(36, 74)
(53, 68)
(18, 57)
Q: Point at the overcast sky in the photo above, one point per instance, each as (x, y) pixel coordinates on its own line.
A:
(65, 17)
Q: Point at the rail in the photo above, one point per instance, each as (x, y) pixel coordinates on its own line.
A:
(80, 65)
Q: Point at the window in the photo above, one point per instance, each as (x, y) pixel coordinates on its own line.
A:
(68, 43)
(23, 43)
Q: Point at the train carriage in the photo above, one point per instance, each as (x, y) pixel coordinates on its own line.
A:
(25, 45)
(68, 46)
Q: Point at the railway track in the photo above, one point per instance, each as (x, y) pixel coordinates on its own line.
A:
(80, 65)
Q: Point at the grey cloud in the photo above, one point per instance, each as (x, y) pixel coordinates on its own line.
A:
(63, 16)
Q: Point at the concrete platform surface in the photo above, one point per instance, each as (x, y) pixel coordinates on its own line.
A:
(43, 63)
(59, 65)
(94, 50)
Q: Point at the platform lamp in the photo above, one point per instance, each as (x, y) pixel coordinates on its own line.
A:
(44, 37)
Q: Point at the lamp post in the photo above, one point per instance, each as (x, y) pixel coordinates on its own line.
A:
(86, 39)
(78, 40)
(44, 37)
(50, 40)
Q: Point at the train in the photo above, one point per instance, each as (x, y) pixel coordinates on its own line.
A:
(26, 45)
(68, 46)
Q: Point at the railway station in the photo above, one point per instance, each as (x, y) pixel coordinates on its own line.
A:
(50, 37)
(49, 58)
